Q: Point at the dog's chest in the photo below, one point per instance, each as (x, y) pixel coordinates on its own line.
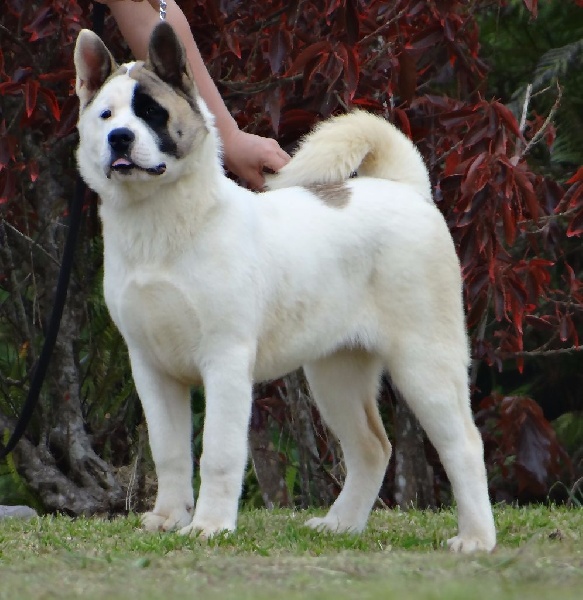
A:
(158, 320)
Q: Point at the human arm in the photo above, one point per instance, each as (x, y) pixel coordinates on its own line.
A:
(245, 154)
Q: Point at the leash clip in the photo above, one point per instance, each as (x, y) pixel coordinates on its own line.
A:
(162, 10)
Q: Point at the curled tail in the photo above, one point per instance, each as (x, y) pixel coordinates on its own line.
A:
(355, 142)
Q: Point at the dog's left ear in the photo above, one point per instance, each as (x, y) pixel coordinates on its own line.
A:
(167, 58)
(93, 65)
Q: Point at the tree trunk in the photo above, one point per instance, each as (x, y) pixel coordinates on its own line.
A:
(316, 485)
(413, 474)
(265, 458)
(62, 468)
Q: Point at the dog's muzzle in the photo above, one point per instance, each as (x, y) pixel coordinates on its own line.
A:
(120, 141)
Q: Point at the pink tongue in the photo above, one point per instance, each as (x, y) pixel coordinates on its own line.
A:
(124, 162)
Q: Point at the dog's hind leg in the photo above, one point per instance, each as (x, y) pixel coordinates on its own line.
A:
(435, 385)
(166, 404)
(345, 386)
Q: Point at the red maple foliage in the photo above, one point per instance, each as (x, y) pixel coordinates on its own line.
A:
(282, 66)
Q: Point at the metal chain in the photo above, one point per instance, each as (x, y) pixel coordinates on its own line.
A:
(162, 10)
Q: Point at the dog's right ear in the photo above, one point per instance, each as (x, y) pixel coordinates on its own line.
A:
(167, 58)
(93, 65)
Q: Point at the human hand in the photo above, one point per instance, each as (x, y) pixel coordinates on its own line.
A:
(247, 154)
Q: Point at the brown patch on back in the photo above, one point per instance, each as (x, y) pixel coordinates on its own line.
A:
(335, 195)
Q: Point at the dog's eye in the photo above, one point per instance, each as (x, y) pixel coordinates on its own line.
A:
(105, 114)
(146, 108)
(155, 112)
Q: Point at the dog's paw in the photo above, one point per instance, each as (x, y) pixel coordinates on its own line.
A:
(333, 524)
(152, 521)
(205, 530)
(467, 545)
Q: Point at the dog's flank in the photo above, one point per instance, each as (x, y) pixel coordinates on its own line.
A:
(209, 282)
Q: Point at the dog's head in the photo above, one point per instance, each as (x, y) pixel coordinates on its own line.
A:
(138, 121)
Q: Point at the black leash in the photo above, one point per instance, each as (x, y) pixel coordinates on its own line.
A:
(40, 369)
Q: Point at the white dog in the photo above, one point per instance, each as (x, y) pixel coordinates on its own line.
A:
(211, 283)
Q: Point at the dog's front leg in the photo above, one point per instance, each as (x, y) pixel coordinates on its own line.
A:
(228, 395)
(166, 404)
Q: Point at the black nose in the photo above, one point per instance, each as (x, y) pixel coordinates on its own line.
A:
(121, 139)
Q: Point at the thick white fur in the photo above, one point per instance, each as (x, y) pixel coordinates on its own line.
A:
(210, 282)
(355, 143)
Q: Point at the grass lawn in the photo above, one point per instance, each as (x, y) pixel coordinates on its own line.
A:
(400, 556)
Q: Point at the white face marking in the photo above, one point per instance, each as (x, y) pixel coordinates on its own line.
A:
(112, 110)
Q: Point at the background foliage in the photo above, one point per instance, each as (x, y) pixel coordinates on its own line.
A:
(488, 90)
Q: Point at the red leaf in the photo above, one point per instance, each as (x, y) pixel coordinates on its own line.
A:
(509, 119)
(540, 322)
(57, 76)
(43, 24)
(564, 328)
(278, 49)
(576, 225)
(477, 284)
(572, 197)
(404, 124)
(313, 67)
(332, 70)
(52, 102)
(532, 6)
(457, 118)
(8, 186)
(351, 70)
(233, 44)
(577, 177)
(509, 223)
(21, 74)
(33, 170)
(451, 162)
(306, 55)
(428, 38)
(498, 303)
(10, 87)
(69, 115)
(31, 88)
(476, 310)
(533, 456)
(368, 104)
(528, 193)
(449, 29)
(476, 134)
(468, 186)
(571, 279)
(7, 145)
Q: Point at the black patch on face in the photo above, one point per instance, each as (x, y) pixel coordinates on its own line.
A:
(156, 117)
